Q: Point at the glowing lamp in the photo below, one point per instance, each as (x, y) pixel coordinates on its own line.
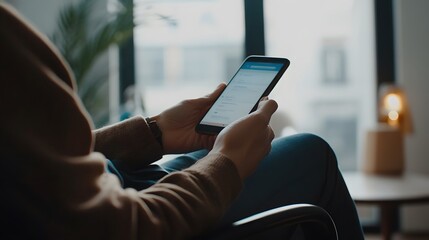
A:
(393, 108)
(384, 150)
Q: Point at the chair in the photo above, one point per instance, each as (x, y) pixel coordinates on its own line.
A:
(315, 222)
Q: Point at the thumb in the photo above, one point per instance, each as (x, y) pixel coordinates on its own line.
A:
(209, 99)
(213, 95)
(267, 107)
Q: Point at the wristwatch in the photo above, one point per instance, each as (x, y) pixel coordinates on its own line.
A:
(154, 128)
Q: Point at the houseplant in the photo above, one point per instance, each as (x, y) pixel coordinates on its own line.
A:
(83, 35)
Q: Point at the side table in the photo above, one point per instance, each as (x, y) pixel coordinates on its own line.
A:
(388, 193)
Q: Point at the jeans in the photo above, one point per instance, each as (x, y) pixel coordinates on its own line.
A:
(299, 169)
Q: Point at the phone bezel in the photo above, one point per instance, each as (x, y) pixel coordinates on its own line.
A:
(213, 130)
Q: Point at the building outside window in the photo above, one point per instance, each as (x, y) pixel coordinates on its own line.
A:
(329, 89)
(185, 48)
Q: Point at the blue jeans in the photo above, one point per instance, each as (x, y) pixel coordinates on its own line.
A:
(299, 169)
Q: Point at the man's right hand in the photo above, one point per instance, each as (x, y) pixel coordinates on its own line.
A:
(248, 140)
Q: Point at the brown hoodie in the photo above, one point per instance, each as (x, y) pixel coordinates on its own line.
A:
(53, 182)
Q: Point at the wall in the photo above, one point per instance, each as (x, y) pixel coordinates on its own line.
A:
(412, 55)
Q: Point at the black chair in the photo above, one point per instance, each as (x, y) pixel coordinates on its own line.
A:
(314, 222)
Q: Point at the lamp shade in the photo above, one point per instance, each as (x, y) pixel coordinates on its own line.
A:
(384, 151)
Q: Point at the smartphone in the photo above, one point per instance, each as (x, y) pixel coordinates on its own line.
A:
(255, 79)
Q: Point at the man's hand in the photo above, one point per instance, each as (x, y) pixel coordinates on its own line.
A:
(248, 140)
(178, 124)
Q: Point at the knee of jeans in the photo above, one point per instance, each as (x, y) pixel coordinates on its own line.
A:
(312, 139)
(319, 147)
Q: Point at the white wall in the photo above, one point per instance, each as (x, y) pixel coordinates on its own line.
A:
(412, 55)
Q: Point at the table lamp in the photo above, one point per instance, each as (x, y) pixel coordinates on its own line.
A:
(393, 108)
(384, 146)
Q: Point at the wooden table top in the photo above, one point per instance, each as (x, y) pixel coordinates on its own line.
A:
(384, 189)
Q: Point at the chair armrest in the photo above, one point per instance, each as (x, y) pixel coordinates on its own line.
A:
(285, 216)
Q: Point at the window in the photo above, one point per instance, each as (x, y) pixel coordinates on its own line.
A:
(329, 88)
(184, 48)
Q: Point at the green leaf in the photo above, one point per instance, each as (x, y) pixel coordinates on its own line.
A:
(82, 37)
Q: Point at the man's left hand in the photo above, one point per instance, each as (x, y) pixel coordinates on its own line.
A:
(178, 124)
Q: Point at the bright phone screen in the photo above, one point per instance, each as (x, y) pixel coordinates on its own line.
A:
(242, 93)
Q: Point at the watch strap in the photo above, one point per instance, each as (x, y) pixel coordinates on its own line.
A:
(154, 128)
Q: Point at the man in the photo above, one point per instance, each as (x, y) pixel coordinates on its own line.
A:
(55, 184)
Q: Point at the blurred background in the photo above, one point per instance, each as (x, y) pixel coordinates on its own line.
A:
(169, 50)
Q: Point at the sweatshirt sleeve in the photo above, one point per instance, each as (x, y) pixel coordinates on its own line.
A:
(72, 197)
(181, 205)
(130, 142)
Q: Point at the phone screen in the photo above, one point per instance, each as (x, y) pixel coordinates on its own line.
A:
(249, 84)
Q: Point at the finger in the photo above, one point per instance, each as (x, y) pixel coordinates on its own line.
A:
(267, 107)
(216, 92)
(271, 133)
(208, 99)
(270, 137)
